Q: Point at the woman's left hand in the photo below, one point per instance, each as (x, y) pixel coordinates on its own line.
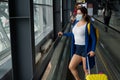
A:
(92, 53)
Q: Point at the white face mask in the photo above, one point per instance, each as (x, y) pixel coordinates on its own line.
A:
(78, 17)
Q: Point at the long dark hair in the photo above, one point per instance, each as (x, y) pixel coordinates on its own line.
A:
(85, 13)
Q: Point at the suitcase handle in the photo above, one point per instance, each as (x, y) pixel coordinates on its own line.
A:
(89, 65)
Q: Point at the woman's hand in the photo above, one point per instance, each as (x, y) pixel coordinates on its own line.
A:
(91, 53)
(72, 19)
(60, 34)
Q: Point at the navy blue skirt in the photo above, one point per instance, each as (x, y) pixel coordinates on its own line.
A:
(80, 50)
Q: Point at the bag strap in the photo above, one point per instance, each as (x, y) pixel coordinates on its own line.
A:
(96, 32)
(88, 27)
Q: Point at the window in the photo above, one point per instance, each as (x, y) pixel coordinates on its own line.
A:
(5, 50)
(43, 19)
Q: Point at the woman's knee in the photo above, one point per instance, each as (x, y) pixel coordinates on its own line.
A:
(71, 67)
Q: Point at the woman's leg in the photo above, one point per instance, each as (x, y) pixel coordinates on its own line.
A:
(76, 59)
(84, 65)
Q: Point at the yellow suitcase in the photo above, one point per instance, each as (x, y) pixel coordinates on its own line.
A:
(98, 76)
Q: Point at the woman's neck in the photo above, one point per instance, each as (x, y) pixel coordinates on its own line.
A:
(83, 21)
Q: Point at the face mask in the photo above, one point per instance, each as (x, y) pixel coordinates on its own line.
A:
(78, 17)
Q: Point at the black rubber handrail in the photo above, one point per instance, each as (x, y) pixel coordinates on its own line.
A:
(56, 57)
(108, 26)
(49, 54)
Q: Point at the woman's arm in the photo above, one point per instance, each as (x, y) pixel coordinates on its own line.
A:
(69, 34)
(93, 37)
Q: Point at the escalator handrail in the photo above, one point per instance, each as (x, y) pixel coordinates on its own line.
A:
(108, 26)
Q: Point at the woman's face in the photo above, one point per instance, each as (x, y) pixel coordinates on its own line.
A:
(79, 15)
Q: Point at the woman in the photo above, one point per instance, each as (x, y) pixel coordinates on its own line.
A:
(82, 42)
(78, 5)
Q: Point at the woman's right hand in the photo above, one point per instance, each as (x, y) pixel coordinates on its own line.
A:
(72, 19)
(60, 34)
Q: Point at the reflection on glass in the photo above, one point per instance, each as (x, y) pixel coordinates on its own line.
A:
(37, 1)
(43, 20)
(4, 29)
(38, 21)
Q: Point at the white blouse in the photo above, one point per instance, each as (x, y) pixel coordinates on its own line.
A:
(79, 34)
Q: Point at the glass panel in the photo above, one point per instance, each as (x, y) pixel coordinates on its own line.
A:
(44, 17)
(4, 29)
(50, 17)
(43, 1)
(49, 2)
(5, 50)
(43, 20)
(38, 20)
(37, 1)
